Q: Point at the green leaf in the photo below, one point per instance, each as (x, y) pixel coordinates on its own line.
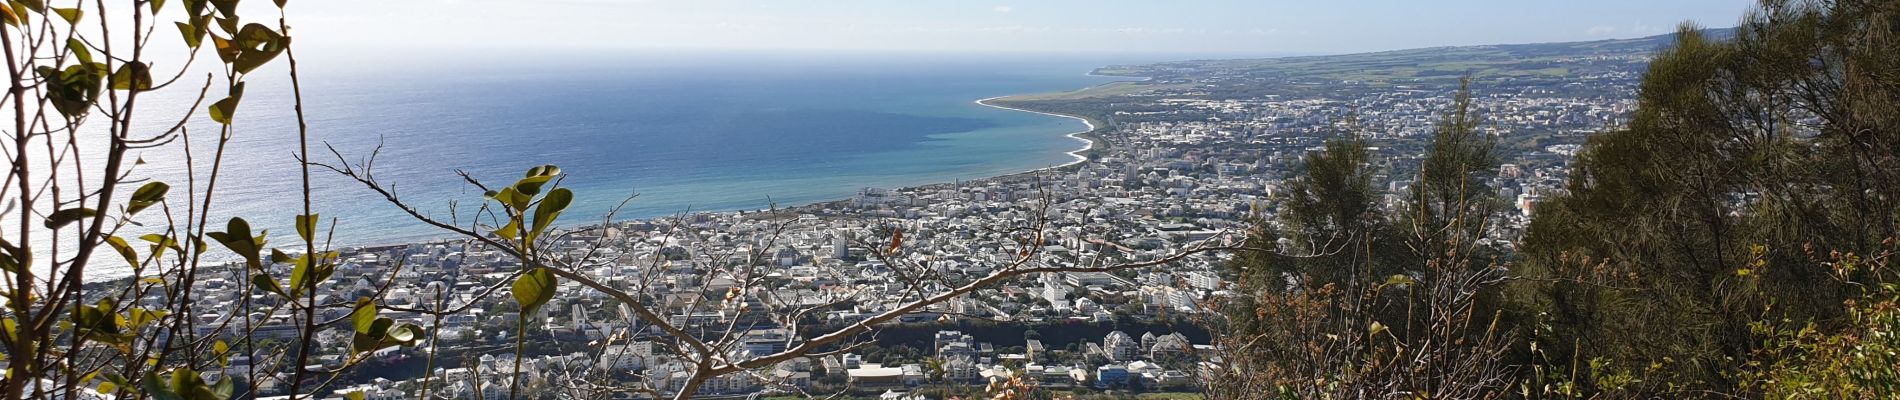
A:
(71, 15)
(67, 216)
(377, 336)
(125, 250)
(301, 278)
(156, 5)
(1399, 279)
(35, 5)
(537, 176)
(160, 243)
(534, 289)
(510, 232)
(514, 199)
(9, 17)
(131, 76)
(227, 50)
(79, 50)
(257, 44)
(195, 8)
(364, 315)
(268, 284)
(194, 34)
(406, 334)
(363, 342)
(150, 193)
(325, 264)
(306, 225)
(544, 170)
(242, 230)
(140, 316)
(222, 351)
(117, 379)
(309, 271)
(12, 258)
(550, 208)
(381, 334)
(224, 388)
(20, 10)
(226, 7)
(191, 386)
(73, 90)
(156, 388)
(237, 237)
(228, 25)
(89, 318)
(222, 110)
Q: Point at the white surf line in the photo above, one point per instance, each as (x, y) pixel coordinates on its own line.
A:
(1077, 154)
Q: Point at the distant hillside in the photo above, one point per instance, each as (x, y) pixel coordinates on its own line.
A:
(1510, 60)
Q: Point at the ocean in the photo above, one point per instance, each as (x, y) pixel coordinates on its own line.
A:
(685, 132)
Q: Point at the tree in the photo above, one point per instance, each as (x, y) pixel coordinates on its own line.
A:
(81, 204)
(1397, 307)
(1328, 214)
(1751, 163)
(1452, 182)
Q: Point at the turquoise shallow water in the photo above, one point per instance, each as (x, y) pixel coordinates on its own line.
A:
(701, 132)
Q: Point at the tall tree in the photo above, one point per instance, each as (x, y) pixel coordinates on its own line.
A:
(1451, 200)
(1747, 161)
(1377, 305)
(1331, 213)
(1325, 221)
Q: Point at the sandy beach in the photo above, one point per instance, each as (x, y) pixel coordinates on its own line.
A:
(1087, 144)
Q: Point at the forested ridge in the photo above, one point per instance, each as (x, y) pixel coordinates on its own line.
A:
(1734, 239)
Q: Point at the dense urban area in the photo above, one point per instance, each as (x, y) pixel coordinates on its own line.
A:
(1192, 153)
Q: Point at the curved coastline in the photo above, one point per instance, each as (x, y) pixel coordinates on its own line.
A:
(1090, 143)
(1078, 156)
(1087, 143)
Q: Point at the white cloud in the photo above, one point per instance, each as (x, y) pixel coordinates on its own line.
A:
(1645, 29)
(1634, 29)
(1003, 9)
(735, 26)
(1142, 30)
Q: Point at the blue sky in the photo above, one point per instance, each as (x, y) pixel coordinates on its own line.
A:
(1180, 26)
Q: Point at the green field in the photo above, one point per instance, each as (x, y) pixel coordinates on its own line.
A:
(1097, 91)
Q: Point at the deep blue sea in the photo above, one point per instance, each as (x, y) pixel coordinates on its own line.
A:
(685, 131)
